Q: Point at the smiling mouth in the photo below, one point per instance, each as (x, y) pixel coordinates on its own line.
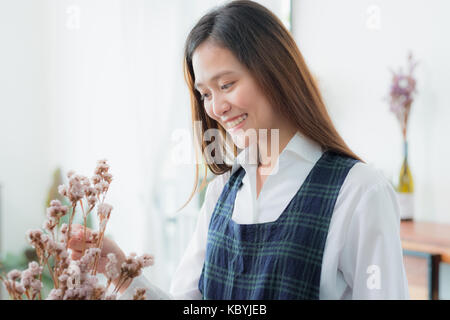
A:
(232, 124)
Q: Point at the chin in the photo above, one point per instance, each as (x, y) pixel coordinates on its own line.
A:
(241, 140)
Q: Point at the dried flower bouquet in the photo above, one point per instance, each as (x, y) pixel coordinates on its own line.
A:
(74, 277)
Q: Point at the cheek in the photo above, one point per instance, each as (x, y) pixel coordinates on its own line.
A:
(208, 109)
(241, 98)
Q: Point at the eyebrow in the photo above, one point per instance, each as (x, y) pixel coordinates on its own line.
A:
(220, 74)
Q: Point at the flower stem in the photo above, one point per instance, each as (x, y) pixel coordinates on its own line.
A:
(74, 205)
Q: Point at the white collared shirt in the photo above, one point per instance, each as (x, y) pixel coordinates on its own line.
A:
(362, 258)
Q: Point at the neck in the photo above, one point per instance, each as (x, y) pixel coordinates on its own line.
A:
(269, 149)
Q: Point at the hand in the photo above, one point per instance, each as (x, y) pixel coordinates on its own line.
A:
(76, 243)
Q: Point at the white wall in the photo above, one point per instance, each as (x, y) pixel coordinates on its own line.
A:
(349, 46)
(24, 125)
(83, 80)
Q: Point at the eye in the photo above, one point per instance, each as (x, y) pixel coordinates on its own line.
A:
(226, 86)
(203, 96)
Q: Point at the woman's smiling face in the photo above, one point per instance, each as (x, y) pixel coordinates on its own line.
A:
(230, 94)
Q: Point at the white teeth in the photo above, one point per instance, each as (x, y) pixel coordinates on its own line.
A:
(234, 123)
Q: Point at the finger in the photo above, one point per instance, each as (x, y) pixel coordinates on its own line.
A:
(76, 226)
(76, 255)
(79, 227)
(79, 244)
(80, 232)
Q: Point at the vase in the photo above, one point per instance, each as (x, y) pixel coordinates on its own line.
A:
(405, 188)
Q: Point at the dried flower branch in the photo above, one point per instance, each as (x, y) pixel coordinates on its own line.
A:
(75, 279)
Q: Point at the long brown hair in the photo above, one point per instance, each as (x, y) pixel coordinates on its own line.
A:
(261, 43)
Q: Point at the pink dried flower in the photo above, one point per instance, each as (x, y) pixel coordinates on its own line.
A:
(74, 273)
(96, 179)
(139, 294)
(90, 191)
(14, 274)
(108, 177)
(98, 292)
(56, 210)
(62, 189)
(98, 188)
(36, 285)
(132, 266)
(102, 167)
(60, 251)
(55, 294)
(111, 296)
(76, 189)
(88, 258)
(146, 260)
(35, 268)
(112, 271)
(49, 225)
(19, 288)
(104, 185)
(36, 238)
(92, 200)
(94, 237)
(85, 181)
(64, 228)
(104, 210)
(29, 281)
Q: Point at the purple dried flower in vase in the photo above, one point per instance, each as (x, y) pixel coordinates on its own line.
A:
(401, 94)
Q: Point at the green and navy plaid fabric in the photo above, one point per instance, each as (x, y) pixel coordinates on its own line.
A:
(275, 260)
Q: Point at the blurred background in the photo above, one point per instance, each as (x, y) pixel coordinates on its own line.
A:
(92, 79)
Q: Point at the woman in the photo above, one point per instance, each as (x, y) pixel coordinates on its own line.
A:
(310, 221)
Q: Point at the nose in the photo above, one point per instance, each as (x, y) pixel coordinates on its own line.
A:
(220, 105)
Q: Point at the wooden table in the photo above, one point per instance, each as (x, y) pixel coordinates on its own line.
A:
(429, 241)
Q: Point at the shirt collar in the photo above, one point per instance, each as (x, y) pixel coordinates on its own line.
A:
(299, 146)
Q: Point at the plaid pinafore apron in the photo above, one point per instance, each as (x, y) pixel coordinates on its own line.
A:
(274, 260)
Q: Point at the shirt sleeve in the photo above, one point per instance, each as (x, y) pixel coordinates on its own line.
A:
(152, 292)
(372, 257)
(184, 284)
